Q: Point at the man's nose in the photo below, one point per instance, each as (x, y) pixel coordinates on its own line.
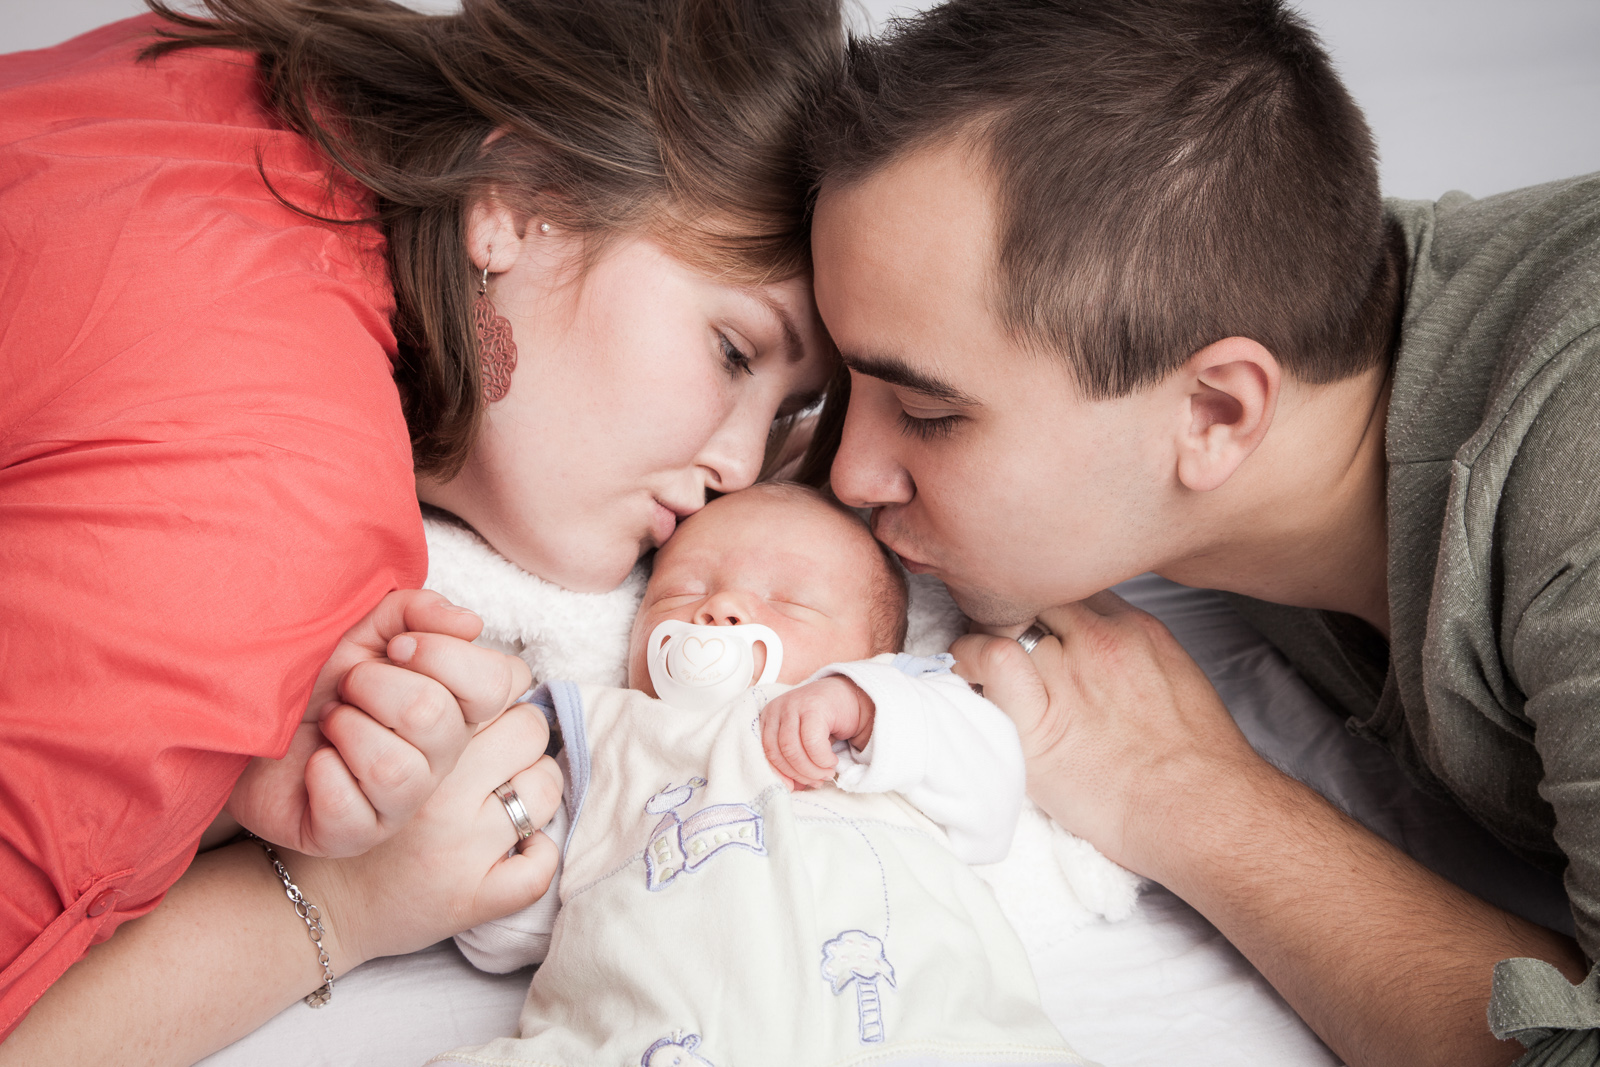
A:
(866, 471)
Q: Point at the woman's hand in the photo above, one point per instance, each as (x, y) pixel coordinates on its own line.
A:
(391, 712)
(1117, 721)
(448, 869)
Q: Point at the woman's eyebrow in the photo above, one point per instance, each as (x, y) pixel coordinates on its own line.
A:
(794, 350)
(896, 371)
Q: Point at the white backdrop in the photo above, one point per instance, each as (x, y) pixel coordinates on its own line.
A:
(1481, 95)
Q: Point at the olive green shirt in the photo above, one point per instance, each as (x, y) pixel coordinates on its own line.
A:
(1489, 687)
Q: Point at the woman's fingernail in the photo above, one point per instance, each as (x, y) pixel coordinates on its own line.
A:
(402, 648)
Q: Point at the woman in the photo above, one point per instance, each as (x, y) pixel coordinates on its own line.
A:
(541, 264)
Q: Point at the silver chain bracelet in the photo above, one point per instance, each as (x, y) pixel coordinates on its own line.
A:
(313, 920)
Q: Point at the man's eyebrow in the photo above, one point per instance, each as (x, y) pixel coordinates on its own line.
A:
(896, 371)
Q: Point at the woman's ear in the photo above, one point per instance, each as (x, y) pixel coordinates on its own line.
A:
(1231, 393)
(493, 238)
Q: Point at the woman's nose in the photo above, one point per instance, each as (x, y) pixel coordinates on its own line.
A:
(732, 458)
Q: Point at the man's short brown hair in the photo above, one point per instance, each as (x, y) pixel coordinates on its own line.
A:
(1168, 173)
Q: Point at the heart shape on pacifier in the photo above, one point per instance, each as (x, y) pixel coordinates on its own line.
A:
(702, 656)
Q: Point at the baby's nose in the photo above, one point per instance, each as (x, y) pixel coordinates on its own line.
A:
(721, 609)
(711, 618)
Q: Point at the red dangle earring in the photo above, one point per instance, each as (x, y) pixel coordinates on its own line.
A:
(497, 351)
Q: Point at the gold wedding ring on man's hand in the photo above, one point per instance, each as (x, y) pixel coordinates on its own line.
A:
(1031, 637)
(515, 811)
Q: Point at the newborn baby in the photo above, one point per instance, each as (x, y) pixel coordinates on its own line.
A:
(708, 913)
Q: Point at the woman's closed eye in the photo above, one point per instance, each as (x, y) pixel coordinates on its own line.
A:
(733, 357)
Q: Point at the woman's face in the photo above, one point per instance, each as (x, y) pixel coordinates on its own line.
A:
(640, 384)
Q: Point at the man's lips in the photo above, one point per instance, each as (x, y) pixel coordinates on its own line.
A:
(914, 566)
(910, 563)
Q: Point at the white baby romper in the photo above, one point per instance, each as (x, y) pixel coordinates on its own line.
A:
(709, 917)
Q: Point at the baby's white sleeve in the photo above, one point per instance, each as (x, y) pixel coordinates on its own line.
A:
(947, 750)
(523, 937)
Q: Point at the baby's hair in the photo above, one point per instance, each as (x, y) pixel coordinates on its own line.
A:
(891, 592)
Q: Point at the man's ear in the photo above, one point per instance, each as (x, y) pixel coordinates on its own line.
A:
(1231, 393)
(494, 240)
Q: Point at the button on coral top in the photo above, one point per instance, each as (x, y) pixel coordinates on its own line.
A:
(205, 476)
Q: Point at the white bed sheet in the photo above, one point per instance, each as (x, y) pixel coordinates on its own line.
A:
(1159, 988)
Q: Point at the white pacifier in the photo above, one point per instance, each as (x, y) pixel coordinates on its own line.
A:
(701, 668)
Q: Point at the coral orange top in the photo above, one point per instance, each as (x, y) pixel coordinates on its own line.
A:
(205, 476)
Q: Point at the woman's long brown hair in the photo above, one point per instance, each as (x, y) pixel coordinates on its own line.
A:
(680, 119)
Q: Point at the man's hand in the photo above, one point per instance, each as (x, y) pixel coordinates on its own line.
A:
(799, 727)
(1117, 721)
(389, 715)
(1129, 746)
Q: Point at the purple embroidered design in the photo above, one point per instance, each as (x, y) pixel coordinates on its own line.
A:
(678, 844)
(672, 797)
(856, 956)
(497, 351)
(675, 1051)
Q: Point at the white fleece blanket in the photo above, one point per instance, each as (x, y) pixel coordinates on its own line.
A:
(1050, 884)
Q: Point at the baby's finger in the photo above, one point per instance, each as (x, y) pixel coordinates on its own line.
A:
(771, 722)
(816, 739)
(483, 681)
(414, 706)
(791, 746)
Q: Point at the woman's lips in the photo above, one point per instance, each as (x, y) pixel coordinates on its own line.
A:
(662, 524)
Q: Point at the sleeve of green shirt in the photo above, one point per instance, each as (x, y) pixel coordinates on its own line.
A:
(1548, 538)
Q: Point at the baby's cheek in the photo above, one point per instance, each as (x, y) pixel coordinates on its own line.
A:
(638, 668)
(814, 647)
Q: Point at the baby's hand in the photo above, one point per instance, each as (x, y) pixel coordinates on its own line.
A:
(798, 728)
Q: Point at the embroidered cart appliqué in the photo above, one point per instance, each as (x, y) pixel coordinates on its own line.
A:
(678, 844)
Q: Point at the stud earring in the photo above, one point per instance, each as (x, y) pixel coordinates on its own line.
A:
(544, 227)
(497, 350)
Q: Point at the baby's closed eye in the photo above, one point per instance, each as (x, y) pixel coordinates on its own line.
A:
(795, 609)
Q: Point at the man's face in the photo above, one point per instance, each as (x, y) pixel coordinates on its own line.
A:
(984, 464)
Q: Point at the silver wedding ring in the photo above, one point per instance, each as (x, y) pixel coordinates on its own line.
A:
(1031, 637)
(515, 811)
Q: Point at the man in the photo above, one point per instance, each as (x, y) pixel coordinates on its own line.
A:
(1117, 293)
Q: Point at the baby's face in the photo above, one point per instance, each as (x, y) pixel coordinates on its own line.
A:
(772, 557)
